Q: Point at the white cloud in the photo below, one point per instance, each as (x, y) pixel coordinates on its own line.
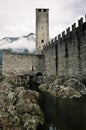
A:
(17, 17)
(20, 44)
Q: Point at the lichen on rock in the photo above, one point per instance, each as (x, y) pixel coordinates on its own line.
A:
(19, 108)
(70, 88)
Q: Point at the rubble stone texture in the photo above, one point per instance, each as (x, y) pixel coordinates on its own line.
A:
(19, 109)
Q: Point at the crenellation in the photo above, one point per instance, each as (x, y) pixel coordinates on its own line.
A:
(59, 36)
(52, 41)
(63, 33)
(74, 27)
(68, 30)
(80, 22)
(56, 38)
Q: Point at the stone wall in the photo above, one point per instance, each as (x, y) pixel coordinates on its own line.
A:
(21, 63)
(50, 59)
(65, 55)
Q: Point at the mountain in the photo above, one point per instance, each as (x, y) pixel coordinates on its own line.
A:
(30, 36)
(19, 44)
(10, 39)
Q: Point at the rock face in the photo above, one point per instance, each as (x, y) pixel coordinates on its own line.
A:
(70, 88)
(76, 85)
(19, 109)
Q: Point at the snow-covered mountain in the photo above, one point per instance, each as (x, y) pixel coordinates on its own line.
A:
(21, 44)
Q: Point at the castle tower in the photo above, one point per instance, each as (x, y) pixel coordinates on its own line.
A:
(42, 28)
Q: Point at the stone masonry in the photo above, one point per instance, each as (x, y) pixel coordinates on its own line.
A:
(18, 64)
(42, 28)
(65, 55)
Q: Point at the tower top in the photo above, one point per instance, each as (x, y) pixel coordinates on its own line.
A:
(42, 9)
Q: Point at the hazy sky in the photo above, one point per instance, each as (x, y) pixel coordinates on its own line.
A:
(17, 17)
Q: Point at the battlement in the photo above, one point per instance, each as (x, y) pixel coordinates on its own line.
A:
(66, 53)
(42, 10)
(69, 30)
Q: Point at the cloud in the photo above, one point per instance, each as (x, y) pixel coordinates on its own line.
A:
(17, 17)
(22, 43)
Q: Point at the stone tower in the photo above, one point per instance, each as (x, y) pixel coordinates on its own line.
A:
(42, 28)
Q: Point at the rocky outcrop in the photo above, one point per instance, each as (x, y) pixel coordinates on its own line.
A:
(76, 85)
(23, 107)
(19, 109)
(70, 88)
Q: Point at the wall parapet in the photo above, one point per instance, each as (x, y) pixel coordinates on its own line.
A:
(66, 33)
(65, 55)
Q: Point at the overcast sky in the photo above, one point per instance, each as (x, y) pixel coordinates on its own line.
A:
(17, 17)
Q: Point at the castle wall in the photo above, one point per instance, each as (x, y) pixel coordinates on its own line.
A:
(82, 42)
(50, 58)
(61, 56)
(66, 56)
(21, 63)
